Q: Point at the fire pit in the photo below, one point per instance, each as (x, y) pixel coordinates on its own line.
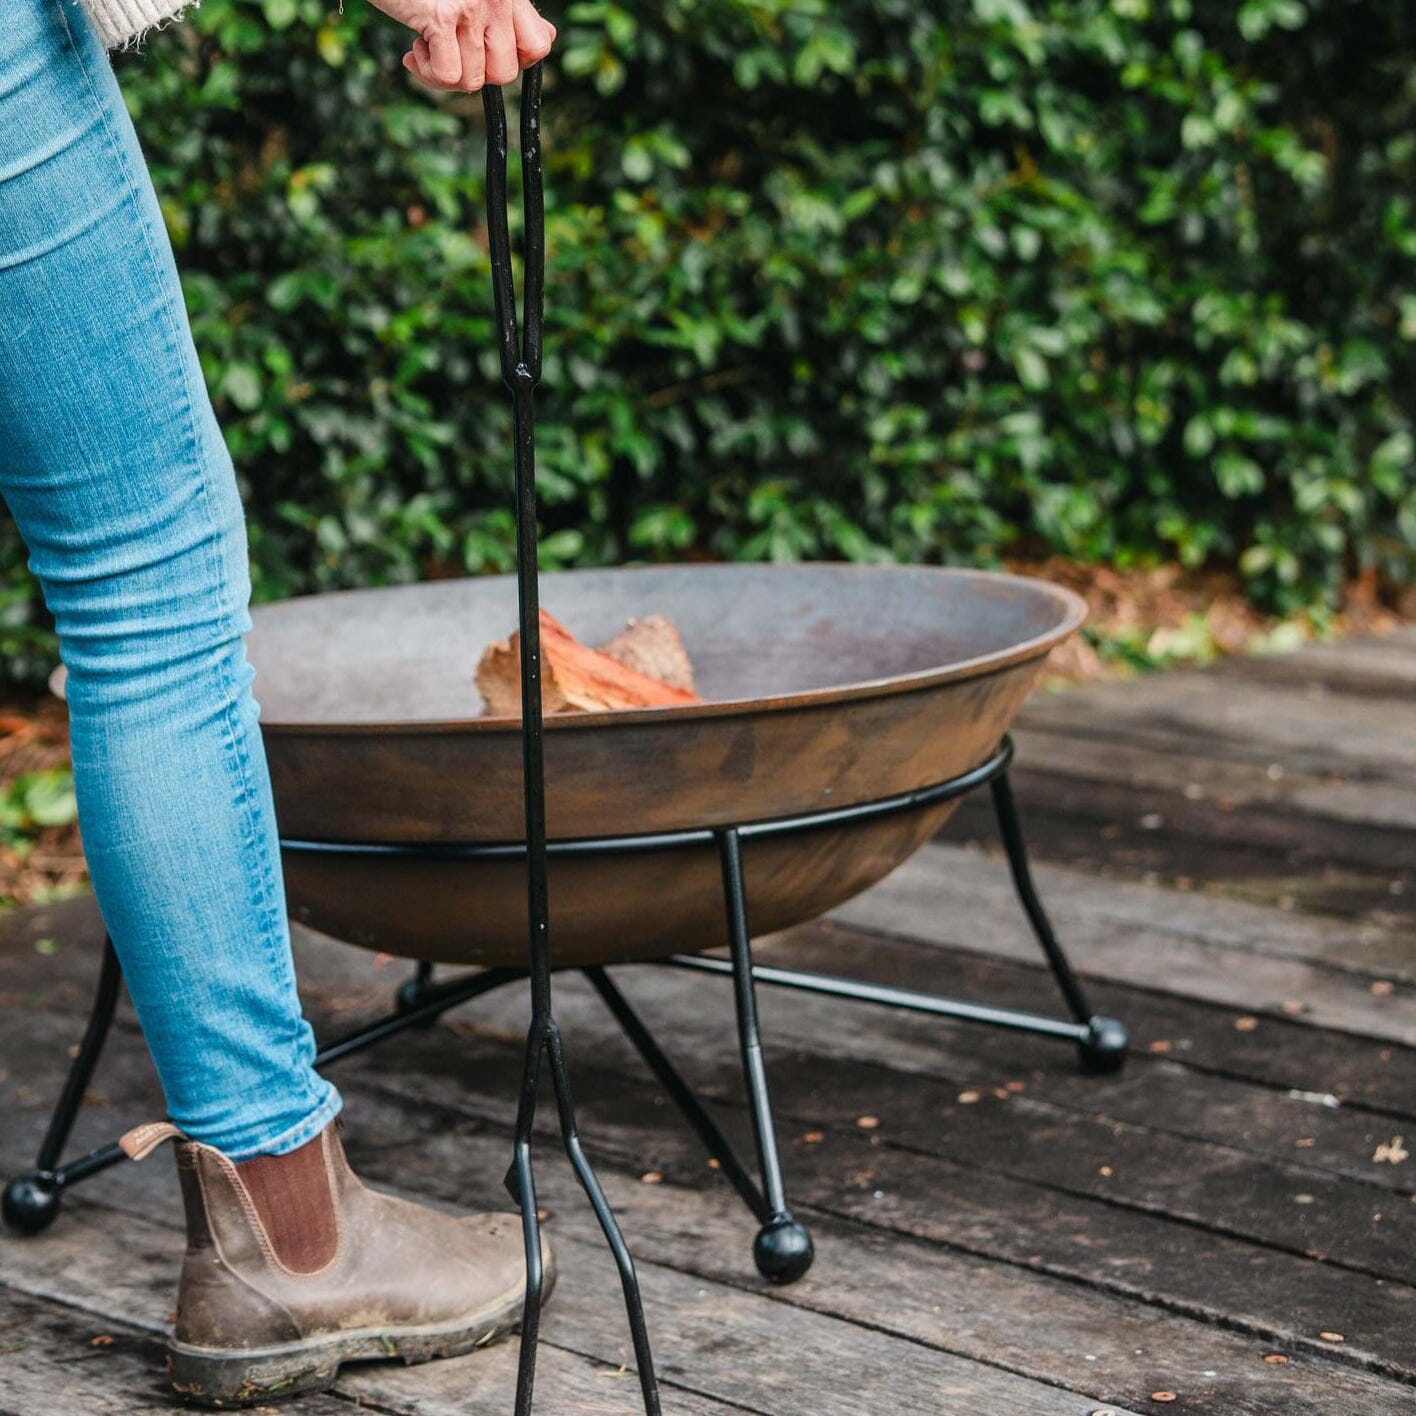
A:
(847, 711)
(828, 687)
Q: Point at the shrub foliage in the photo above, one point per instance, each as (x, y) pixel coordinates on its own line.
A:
(1125, 279)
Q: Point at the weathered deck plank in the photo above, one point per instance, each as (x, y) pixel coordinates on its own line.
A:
(1284, 723)
(1223, 952)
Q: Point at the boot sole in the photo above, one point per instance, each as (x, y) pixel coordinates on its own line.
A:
(226, 1376)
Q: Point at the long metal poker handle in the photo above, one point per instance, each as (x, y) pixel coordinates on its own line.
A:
(521, 372)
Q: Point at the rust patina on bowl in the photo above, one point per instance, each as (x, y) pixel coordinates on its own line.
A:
(826, 686)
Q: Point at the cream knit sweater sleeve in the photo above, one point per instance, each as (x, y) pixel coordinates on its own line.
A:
(120, 21)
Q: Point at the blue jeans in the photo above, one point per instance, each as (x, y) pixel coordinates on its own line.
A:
(115, 471)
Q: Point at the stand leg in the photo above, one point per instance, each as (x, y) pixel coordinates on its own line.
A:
(31, 1201)
(783, 1249)
(1103, 1047)
(411, 992)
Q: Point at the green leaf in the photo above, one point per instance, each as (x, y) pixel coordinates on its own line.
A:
(242, 385)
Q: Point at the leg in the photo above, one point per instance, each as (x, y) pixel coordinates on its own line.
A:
(31, 1201)
(114, 468)
(783, 1248)
(412, 991)
(1103, 1048)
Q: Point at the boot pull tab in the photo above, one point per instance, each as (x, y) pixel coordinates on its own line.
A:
(141, 1141)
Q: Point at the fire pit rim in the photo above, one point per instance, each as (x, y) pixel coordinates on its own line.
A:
(1071, 605)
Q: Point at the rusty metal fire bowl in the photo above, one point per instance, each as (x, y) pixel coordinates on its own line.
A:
(827, 686)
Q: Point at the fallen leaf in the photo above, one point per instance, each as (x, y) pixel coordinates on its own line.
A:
(1391, 1152)
(1317, 1098)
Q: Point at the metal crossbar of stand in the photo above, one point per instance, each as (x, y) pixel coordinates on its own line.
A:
(783, 1247)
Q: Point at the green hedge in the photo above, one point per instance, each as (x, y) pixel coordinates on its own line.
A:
(1125, 280)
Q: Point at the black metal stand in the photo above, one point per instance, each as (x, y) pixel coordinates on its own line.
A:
(783, 1249)
(31, 1201)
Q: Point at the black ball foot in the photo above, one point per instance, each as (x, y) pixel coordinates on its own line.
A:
(410, 994)
(31, 1202)
(1103, 1050)
(783, 1250)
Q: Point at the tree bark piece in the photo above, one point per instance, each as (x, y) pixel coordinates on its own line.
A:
(577, 678)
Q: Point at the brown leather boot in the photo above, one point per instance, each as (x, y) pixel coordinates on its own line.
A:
(294, 1267)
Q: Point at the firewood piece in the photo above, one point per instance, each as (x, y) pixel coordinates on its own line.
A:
(573, 677)
(653, 646)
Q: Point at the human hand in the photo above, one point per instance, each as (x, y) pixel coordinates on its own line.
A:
(463, 44)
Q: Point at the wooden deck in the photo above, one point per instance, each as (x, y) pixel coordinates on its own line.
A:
(1228, 1227)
